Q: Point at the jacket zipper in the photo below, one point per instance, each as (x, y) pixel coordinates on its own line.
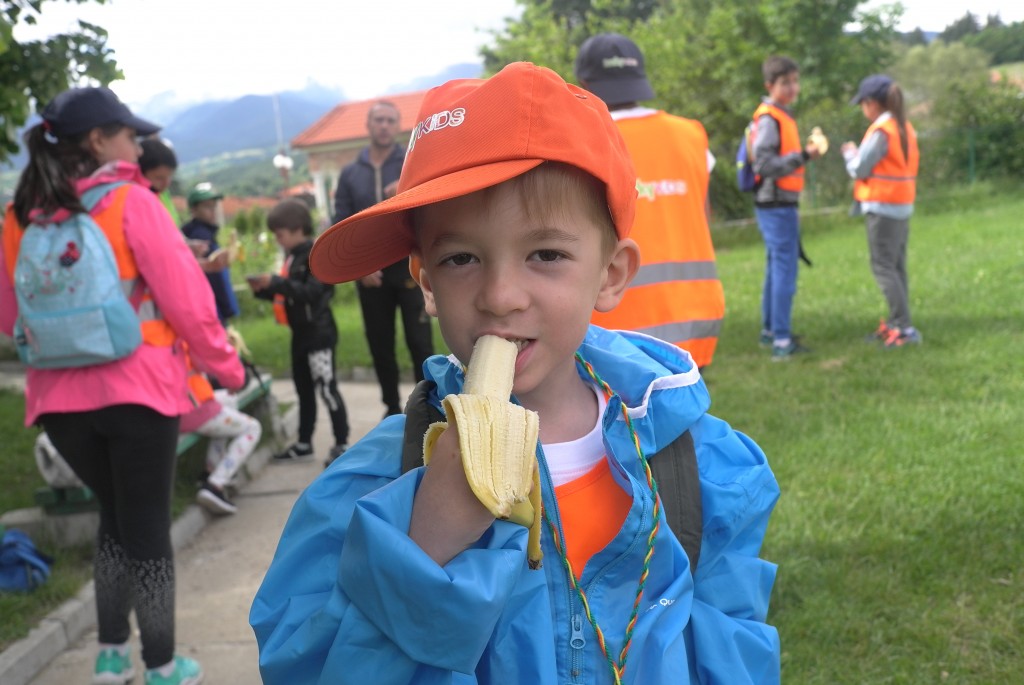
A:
(577, 640)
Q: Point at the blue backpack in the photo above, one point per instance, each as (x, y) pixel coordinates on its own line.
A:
(72, 310)
(745, 177)
(22, 566)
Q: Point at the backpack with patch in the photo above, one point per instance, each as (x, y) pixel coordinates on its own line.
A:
(745, 176)
(22, 566)
(674, 469)
(72, 310)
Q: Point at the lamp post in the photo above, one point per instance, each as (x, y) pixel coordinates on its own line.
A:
(282, 162)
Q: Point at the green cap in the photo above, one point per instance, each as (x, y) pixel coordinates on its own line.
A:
(201, 193)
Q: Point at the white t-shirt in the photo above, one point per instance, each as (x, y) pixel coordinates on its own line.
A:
(567, 461)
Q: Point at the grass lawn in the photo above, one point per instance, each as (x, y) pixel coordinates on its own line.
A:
(900, 531)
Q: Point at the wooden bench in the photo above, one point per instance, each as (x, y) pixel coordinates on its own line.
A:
(57, 501)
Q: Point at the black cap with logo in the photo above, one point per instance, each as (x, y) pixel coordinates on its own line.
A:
(611, 67)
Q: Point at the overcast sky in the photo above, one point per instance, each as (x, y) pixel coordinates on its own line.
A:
(217, 49)
(205, 49)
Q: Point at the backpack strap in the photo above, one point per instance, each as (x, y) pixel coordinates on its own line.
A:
(674, 469)
(419, 414)
(92, 197)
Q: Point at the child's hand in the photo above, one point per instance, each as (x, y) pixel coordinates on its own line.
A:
(812, 151)
(447, 517)
(258, 282)
(390, 189)
(849, 148)
(218, 260)
(199, 247)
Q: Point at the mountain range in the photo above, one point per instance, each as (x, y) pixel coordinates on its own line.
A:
(214, 128)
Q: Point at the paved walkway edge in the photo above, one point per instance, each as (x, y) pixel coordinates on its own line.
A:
(25, 659)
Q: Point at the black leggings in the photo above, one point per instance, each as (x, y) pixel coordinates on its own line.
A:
(313, 374)
(378, 307)
(125, 454)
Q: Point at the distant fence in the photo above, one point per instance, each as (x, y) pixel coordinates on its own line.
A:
(948, 157)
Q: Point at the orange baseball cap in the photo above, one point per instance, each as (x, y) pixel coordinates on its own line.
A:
(475, 133)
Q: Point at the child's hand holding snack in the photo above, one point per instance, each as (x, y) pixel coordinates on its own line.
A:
(258, 282)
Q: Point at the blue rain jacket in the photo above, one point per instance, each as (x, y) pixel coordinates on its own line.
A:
(349, 598)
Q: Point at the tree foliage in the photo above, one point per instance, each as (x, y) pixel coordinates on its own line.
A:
(35, 71)
(977, 124)
(704, 56)
(966, 25)
(933, 73)
(1003, 42)
(915, 37)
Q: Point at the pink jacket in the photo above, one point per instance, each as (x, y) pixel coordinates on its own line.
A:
(151, 376)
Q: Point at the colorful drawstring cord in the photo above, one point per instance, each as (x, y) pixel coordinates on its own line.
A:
(618, 666)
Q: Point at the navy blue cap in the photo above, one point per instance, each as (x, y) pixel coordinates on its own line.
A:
(874, 87)
(82, 109)
(611, 67)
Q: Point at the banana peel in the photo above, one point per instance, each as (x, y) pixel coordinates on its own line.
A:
(497, 440)
(818, 140)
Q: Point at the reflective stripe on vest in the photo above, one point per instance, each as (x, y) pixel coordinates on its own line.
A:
(280, 313)
(894, 178)
(155, 331)
(676, 295)
(789, 142)
(674, 271)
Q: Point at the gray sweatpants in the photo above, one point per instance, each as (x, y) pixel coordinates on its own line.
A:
(887, 245)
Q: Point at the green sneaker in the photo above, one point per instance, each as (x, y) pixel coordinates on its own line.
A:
(781, 353)
(113, 668)
(186, 672)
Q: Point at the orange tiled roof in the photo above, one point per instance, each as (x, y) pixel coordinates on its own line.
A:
(347, 121)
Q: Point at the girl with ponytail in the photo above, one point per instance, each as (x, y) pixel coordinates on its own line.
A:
(116, 423)
(884, 167)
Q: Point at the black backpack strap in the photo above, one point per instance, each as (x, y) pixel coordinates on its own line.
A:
(675, 471)
(419, 414)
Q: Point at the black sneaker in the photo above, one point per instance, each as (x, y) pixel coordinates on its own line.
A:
(334, 453)
(213, 499)
(300, 451)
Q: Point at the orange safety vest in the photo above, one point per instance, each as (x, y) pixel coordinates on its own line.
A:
(200, 391)
(789, 142)
(894, 178)
(280, 314)
(155, 331)
(676, 295)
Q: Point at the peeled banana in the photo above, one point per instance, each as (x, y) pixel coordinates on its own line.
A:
(232, 248)
(818, 140)
(497, 439)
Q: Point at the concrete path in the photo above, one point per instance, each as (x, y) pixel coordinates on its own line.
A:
(219, 571)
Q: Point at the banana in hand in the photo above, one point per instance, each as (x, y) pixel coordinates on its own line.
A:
(818, 140)
(497, 439)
